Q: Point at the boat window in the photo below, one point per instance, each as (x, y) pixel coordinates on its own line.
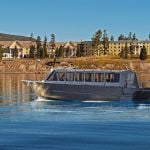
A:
(79, 76)
(108, 77)
(112, 77)
(99, 77)
(61, 76)
(70, 76)
(117, 77)
(89, 77)
(53, 76)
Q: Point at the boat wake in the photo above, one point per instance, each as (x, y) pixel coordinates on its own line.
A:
(91, 101)
(144, 106)
(41, 99)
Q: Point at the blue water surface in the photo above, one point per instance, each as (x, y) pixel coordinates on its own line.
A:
(74, 125)
(31, 123)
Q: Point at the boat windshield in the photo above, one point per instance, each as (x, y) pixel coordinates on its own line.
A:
(84, 76)
(53, 76)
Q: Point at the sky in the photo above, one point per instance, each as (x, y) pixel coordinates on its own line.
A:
(75, 20)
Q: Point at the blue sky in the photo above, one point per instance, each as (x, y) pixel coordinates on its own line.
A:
(75, 20)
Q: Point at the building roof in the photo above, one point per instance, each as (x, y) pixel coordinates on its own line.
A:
(69, 45)
(5, 44)
(18, 44)
(130, 41)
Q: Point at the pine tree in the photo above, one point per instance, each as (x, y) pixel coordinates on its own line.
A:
(57, 52)
(105, 43)
(38, 46)
(131, 49)
(67, 51)
(1, 52)
(121, 37)
(143, 53)
(45, 47)
(130, 36)
(15, 52)
(124, 52)
(80, 50)
(134, 37)
(32, 51)
(96, 42)
(61, 51)
(112, 38)
(53, 45)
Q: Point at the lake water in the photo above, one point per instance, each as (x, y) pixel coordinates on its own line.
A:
(30, 123)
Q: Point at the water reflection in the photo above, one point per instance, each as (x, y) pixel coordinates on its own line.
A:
(12, 89)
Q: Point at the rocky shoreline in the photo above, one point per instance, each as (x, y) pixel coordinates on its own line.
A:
(43, 66)
(23, 66)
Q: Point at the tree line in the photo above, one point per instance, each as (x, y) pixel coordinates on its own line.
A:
(99, 45)
(40, 50)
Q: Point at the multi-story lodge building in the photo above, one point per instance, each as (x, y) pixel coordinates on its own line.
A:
(115, 47)
(70, 49)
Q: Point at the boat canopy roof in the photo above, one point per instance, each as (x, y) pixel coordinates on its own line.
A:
(92, 70)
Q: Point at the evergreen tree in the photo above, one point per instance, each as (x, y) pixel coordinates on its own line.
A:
(143, 53)
(105, 43)
(78, 53)
(67, 51)
(112, 38)
(149, 36)
(124, 52)
(57, 52)
(130, 36)
(53, 45)
(80, 50)
(61, 51)
(121, 37)
(45, 47)
(32, 51)
(38, 46)
(1, 52)
(15, 52)
(96, 42)
(41, 52)
(131, 49)
(134, 37)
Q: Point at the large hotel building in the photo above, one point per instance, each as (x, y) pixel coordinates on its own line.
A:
(114, 48)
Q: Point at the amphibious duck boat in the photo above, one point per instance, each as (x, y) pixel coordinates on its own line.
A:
(86, 84)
